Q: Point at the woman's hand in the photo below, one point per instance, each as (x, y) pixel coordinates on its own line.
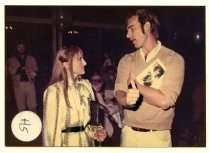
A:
(99, 133)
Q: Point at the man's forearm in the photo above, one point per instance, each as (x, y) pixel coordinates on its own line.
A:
(121, 97)
(153, 96)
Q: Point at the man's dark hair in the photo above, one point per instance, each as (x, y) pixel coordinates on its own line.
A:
(20, 42)
(146, 16)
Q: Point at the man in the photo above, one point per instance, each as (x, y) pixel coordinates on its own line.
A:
(149, 104)
(23, 70)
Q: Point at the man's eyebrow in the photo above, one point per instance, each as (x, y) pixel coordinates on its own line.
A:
(130, 26)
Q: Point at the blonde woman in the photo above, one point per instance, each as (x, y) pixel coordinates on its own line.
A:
(66, 106)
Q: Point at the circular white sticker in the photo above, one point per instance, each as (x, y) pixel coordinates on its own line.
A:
(26, 126)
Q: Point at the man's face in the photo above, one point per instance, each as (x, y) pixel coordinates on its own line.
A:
(21, 48)
(134, 32)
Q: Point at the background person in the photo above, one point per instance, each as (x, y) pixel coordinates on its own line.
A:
(106, 112)
(23, 70)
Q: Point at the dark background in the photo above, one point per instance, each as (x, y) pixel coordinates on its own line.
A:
(99, 29)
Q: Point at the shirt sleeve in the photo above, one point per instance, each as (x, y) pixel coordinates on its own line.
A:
(123, 74)
(173, 79)
(35, 67)
(12, 66)
(32, 65)
(51, 131)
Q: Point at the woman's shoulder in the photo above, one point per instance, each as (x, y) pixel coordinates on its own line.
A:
(55, 86)
(88, 88)
(84, 81)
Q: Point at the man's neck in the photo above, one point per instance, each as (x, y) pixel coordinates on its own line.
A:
(149, 45)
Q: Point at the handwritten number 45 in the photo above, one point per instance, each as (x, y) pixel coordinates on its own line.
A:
(23, 125)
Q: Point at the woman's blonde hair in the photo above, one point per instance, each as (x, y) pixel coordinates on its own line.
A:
(59, 73)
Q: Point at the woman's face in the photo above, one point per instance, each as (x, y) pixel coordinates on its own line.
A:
(79, 65)
(96, 82)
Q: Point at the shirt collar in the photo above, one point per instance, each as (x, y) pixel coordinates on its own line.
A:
(152, 53)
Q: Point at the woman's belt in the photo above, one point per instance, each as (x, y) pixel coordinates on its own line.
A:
(75, 128)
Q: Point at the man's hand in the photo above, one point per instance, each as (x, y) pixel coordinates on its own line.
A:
(128, 99)
(132, 96)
